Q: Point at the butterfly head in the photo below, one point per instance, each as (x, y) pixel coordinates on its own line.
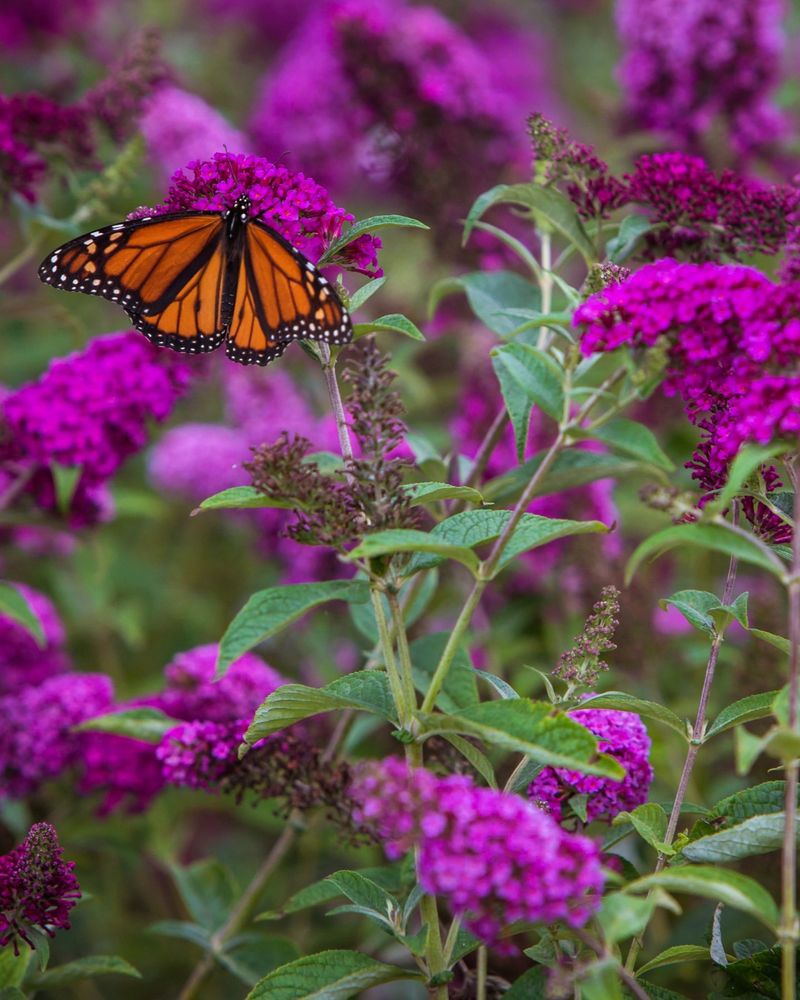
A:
(241, 208)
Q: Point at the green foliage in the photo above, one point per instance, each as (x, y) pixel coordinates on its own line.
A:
(148, 724)
(494, 296)
(88, 967)
(15, 606)
(394, 322)
(328, 975)
(244, 498)
(271, 610)
(369, 225)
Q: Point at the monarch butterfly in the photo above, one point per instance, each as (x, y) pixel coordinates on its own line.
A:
(192, 281)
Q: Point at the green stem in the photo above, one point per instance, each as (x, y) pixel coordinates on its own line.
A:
(329, 368)
(789, 929)
(403, 651)
(488, 569)
(694, 748)
(546, 286)
(480, 989)
(22, 258)
(404, 709)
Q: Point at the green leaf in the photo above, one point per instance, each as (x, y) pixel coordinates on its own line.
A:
(270, 610)
(719, 884)
(324, 891)
(628, 437)
(627, 703)
(250, 956)
(650, 822)
(531, 985)
(674, 956)
(83, 968)
(395, 322)
(148, 724)
(15, 606)
(423, 493)
(572, 468)
(65, 480)
(621, 916)
(244, 497)
(694, 605)
(479, 761)
(328, 975)
(549, 207)
(395, 540)
(704, 536)
(183, 929)
(620, 247)
(528, 377)
(361, 295)
(531, 728)
(779, 741)
(367, 226)
(208, 891)
(503, 688)
(367, 894)
(774, 640)
(754, 706)
(476, 527)
(460, 687)
(757, 835)
(490, 295)
(11, 993)
(13, 967)
(758, 800)
(365, 689)
(746, 463)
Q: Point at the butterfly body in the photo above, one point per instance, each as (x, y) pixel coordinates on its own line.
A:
(192, 281)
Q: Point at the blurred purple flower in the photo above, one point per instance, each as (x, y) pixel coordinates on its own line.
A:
(191, 692)
(493, 856)
(36, 743)
(686, 66)
(261, 22)
(291, 203)
(125, 771)
(37, 888)
(193, 461)
(621, 735)
(22, 662)
(423, 100)
(34, 23)
(179, 127)
(89, 411)
(33, 128)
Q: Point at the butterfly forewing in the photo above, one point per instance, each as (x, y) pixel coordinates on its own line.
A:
(191, 280)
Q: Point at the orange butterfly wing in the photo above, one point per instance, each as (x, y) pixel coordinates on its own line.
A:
(166, 272)
(280, 297)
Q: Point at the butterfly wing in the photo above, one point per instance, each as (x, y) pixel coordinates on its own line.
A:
(166, 272)
(280, 297)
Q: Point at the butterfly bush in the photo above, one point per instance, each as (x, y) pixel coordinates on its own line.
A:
(127, 771)
(36, 741)
(423, 99)
(685, 66)
(494, 857)
(37, 888)
(23, 662)
(294, 205)
(32, 24)
(624, 737)
(89, 411)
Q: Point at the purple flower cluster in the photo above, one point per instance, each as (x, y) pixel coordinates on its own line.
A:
(687, 66)
(25, 24)
(493, 856)
(291, 203)
(128, 772)
(36, 742)
(89, 411)
(704, 215)
(37, 888)
(422, 100)
(624, 737)
(733, 340)
(33, 128)
(22, 661)
(200, 754)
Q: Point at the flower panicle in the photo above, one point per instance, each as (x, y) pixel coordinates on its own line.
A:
(37, 888)
(582, 663)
